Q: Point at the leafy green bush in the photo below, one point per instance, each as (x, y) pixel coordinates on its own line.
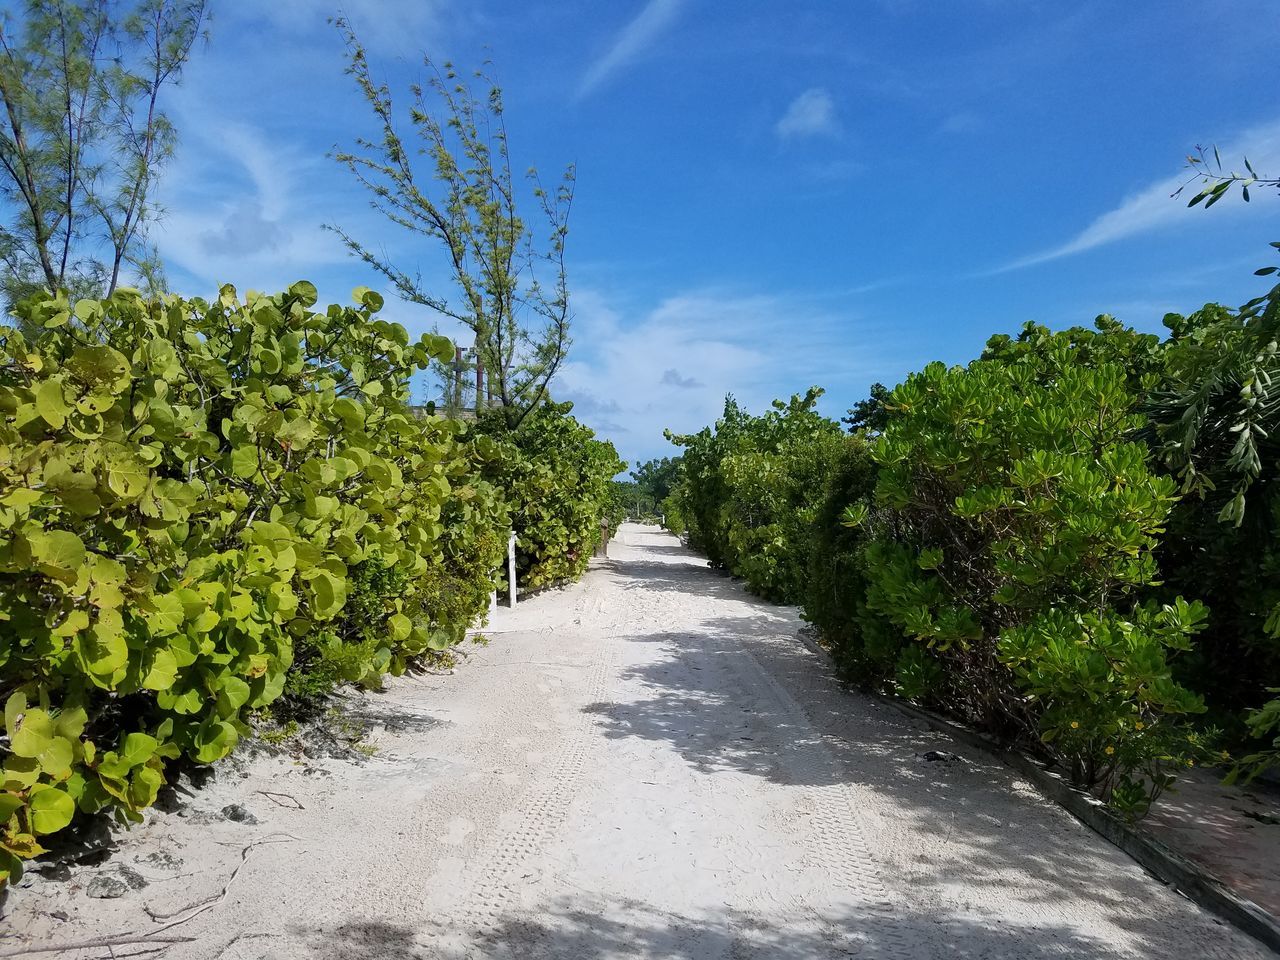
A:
(1217, 419)
(556, 478)
(1023, 518)
(752, 487)
(672, 510)
(626, 500)
(983, 543)
(1140, 356)
(1107, 704)
(1038, 517)
(190, 494)
(834, 597)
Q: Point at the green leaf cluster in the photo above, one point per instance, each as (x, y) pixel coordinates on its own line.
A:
(750, 489)
(985, 544)
(1024, 514)
(1216, 419)
(1011, 541)
(557, 481)
(192, 492)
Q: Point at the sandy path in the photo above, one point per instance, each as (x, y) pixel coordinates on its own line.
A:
(644, 765)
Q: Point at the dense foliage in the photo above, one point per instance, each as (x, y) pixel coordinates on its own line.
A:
(752, 486)
(556, 477)
(1019, 519)
(1068, 542)
(835, 593)
(1217, 419)
(207, 505)
(626, 499)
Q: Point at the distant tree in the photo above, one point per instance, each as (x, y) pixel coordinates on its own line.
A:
(655, 478)
(870, 414)
(83, 138)
(628, 499)
(520, 325)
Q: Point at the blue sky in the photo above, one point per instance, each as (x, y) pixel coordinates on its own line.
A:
(769, 195)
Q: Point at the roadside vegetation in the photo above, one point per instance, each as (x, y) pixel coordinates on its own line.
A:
(1068, 543)
(212, 509)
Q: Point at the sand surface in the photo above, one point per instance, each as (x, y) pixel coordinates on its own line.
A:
(647, 764)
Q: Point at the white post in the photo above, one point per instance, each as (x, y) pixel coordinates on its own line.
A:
(511, 568)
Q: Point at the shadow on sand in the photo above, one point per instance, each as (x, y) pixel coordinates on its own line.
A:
(690, 707)
(600, 931)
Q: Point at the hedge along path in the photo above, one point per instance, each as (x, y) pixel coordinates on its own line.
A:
(648, 764)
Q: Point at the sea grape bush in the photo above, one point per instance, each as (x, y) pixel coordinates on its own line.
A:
(462, 519)
(190, 494)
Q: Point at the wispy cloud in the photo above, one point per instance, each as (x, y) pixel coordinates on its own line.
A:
(1152, 208)
(231, 210)
(812, 114)
(405, 27)
(732, 342)
(636, 37)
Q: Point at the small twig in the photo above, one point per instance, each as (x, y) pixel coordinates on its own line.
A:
(242, 936)
(117, 941)
(146, 952)
(280, 798)
(198, 908)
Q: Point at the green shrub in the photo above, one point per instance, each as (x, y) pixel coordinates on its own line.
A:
(834, 597)
(556, 478)
(1217, 419)
(1023, 560)
(1106, 702)
(626, 500)
(1022, 520)
(190, 493)
(752, 487)
(672, 510)
(1140, 356)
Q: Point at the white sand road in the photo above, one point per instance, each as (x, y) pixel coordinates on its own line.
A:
(647, 764)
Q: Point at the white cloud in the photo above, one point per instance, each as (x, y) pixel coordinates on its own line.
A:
(240, 207)
(634, 373)
(812, 114)
(394, 26)
(634, 39)
(1152, 208)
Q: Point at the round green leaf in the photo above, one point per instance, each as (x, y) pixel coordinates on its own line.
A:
(51, 404)
(51, 810)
